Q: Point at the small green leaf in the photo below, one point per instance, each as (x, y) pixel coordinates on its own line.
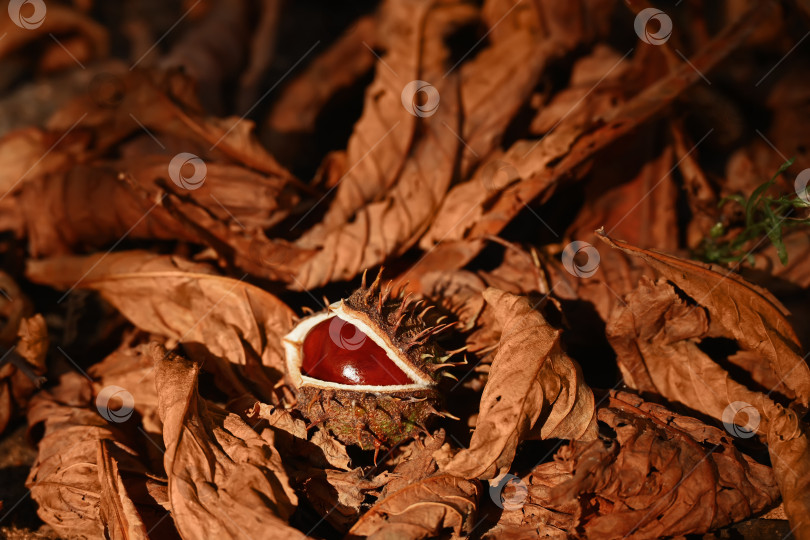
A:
(765, 217)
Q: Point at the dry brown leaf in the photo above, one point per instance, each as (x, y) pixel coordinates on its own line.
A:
(602, 73)
(87, 468)
(769, 269)
(789, 447)
(304, 448)
(163, 102)
(131, 367)
(415, 463)
(524, 39)
(539, 515)
(388, 200)
(319, 465)
(534, 390)
(425, 509)
(701, 195)
(739, 310)
(383, 151)
(239, 198)
(656, 336)
(214, 50)
(85, 37)
(235, 322)
(24, 346)
(499, 79)
(470, 212)
(121, 505)
(225, 480)
(641, 207)
(340, 496)
(77, 222)
(661, 475)
(24, 155)
(346, 60)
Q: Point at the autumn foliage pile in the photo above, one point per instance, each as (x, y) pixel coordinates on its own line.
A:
(545, 174)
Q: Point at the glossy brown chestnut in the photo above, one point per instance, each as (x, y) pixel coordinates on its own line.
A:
(337, 351)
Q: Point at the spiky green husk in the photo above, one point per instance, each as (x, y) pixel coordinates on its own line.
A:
(410, 325)
(373, 420)
(370, 421)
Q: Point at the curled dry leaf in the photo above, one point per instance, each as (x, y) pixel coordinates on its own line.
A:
(534, 391)
(656, 335)
(340, 496)
(499, 79)
(426, 509)
(84, 36)
(540, 516)
(319, 465)
(416, 462)
(346, 60)
(225, 481)
(23, 348)
(789, 447)
(213, 50)
(164, 102)
(739, 310)
(562, 152)
(237, 197)
(131, 367)
(386, 200)
(187, 302)
(658, 474)
(494, 85)
(92, 202)
(88, 479)
(664, 474)
(460, 292)
(312, 447)
(386, 134)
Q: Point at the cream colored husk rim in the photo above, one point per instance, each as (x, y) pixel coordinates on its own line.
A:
(293, 352)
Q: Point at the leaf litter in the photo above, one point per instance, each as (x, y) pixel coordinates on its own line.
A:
(538, 181)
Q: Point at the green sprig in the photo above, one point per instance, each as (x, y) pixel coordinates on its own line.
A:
(765, 216)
